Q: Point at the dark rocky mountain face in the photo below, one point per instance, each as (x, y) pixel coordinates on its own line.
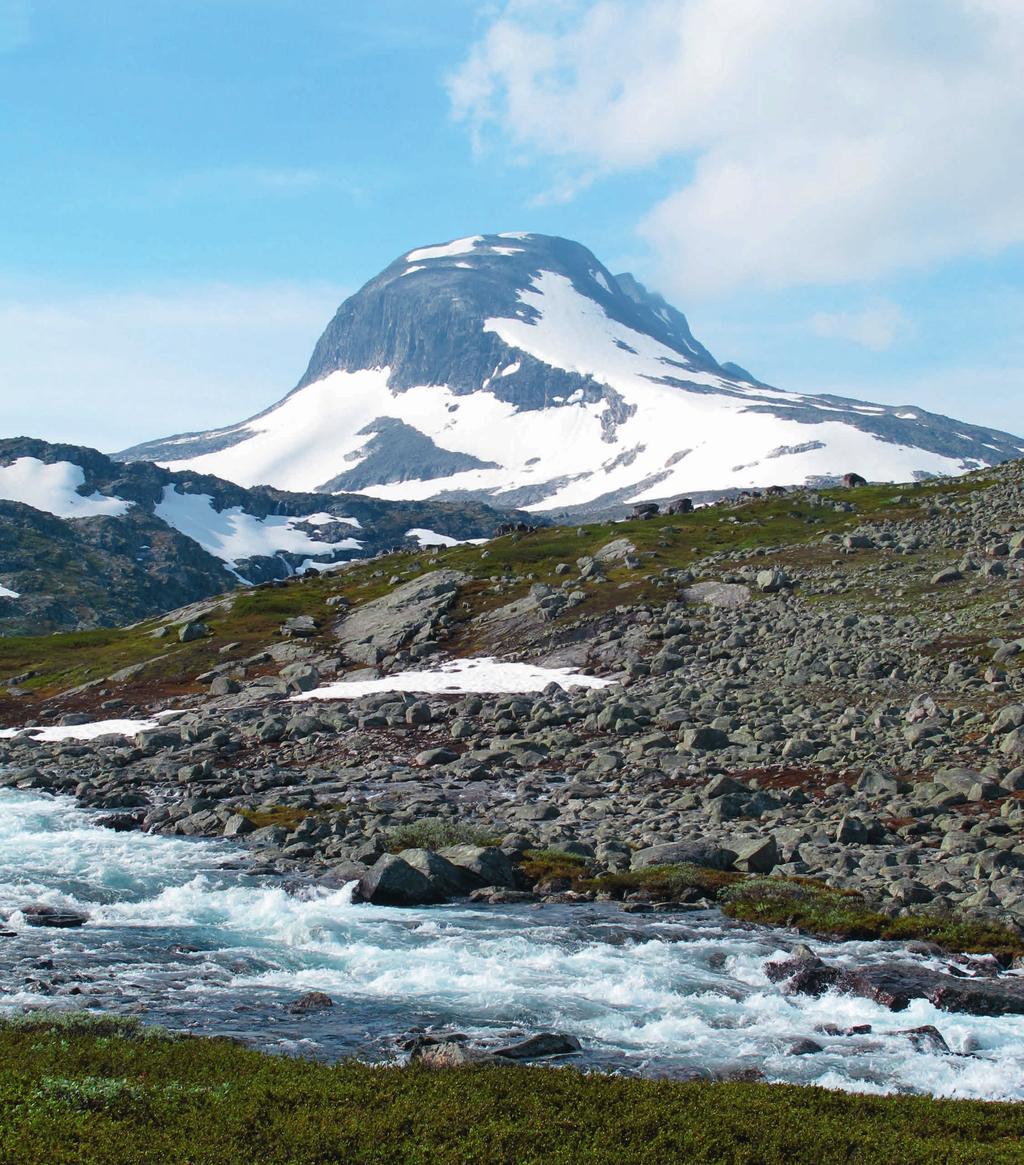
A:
(517, 368)
(96, 572)
(86, 541)
(427, 327)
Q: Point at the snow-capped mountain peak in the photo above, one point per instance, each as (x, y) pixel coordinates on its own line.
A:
(517, 368)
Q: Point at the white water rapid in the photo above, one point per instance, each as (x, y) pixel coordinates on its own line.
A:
(180, 934)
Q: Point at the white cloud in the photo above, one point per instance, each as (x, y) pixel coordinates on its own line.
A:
(823, 142)
(877, 326)
(114, 369)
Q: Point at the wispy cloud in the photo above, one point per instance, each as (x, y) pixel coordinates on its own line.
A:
(825, 143)
(878, 326)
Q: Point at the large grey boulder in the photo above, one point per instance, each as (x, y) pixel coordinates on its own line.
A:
(238, 826)
(772, 581)
(299, 627)
(488, 863)
(1008, 718)
(718, 594)
(695, 853)
(705, 739)
(615, 551)
(189, 632)
(756, 856)
(300, 676)
(383, 626)
(448, 879)
(392, 881)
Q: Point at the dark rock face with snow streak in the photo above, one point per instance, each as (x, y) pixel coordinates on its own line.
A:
(86, 541)
(518, 368)
(427, 327)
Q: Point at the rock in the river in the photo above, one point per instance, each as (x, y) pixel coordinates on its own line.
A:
(312, 1001)
(453, 1055)
(803, 1047)
(926, 1038)
(803, 973)
(39, 914)
(541, 1045)
(448, 879)
(393, 882)
(895, 985)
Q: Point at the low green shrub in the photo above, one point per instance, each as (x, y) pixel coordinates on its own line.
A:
(73, 1099)
(543, 865)
(435, 833)
(665, 883)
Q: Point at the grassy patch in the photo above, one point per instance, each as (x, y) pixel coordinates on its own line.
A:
(435, 833)
(821, 910)
(70, 1098)
(292, 816)
(542, 865)
(665, 883)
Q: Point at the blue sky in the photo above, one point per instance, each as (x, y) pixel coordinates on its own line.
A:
(191, 188)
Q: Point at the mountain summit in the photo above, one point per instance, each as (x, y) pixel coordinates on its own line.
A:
(516, 368)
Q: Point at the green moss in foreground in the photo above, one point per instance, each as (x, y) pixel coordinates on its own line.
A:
(78, 1094)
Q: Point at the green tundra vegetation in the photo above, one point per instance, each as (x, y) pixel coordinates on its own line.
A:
(79, 1090)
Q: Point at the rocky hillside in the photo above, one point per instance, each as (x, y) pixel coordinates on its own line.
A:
(86, 541)
(824, 685)
(518, 369)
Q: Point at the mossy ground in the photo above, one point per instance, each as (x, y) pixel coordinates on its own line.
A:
(291, 816)
(665, 883)
(802, 903)
(76, 1094)
(830, 913)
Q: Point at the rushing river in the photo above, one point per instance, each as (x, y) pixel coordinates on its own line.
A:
(181, 935)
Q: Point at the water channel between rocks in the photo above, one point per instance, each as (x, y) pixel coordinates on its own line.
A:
(179, 934)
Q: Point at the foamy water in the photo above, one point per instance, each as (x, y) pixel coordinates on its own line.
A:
(178, 933)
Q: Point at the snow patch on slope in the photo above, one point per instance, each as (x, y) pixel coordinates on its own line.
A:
(90, 731)
(233, 535)
(432, 538)
(6, 593)
(53, 488)
(315, 432)
(446, 250)
(483, 674)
